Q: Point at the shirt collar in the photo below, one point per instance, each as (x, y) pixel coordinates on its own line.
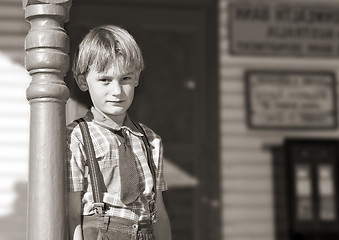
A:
(94, 115)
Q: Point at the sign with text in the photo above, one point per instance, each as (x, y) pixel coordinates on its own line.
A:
(302, 100)
(280, 28)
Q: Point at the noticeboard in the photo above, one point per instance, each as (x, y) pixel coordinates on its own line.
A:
(291, 100)
(284, 28)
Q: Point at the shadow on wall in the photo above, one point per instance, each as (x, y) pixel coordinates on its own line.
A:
(13, 226)
(14, 132)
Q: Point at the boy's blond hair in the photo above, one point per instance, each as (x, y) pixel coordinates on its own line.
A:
(105, 47)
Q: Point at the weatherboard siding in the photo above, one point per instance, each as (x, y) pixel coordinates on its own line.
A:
(246, 160)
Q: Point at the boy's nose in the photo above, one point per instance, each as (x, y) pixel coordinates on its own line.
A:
(115, 87)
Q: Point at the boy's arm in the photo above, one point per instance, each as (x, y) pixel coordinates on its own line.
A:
(74, 206)
(162, 228)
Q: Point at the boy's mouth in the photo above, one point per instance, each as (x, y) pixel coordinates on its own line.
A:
(116, 101)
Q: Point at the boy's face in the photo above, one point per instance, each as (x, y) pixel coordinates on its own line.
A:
(112, 92)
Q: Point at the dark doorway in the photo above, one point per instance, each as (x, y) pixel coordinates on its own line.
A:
(313, 188)
(306, 189)
(177, 98)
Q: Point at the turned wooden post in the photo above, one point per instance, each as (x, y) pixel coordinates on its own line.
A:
(47, 61)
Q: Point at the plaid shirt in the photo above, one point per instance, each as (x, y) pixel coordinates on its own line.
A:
(106, 142)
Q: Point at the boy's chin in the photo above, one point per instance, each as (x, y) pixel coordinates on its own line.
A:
(113, 114)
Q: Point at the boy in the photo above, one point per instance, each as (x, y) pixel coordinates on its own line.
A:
(108, 65)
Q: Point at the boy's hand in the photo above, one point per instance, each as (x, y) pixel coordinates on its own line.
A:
(74, 209)
(162, 228)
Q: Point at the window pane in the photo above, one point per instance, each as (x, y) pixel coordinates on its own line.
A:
(303, 183)
(327, 208)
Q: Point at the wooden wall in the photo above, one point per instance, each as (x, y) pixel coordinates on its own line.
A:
(14, 121)
(13, 29)
(246, 161)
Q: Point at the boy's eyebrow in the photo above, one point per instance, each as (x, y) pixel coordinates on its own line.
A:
(128, 73)
(102, 75)
(105, 75)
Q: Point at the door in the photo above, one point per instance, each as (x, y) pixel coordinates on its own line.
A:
(172, 99)
(313, 189)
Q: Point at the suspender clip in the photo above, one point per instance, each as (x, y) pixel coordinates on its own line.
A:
(99, 207)
(153, 211)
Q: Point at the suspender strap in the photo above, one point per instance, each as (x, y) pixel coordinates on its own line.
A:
(93, 166)
(152, 168)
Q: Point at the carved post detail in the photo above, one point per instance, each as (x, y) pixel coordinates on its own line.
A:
(47, 61)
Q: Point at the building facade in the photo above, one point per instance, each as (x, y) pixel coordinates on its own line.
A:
(244, 95)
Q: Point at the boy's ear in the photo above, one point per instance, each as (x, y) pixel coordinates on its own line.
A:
(136, 82)
(82, 83)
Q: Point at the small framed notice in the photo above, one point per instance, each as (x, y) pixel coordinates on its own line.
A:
(291, 100)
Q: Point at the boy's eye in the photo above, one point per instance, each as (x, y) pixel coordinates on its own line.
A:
(126, 78)
(104, 80)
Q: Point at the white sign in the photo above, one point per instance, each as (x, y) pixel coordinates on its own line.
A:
(284, 28)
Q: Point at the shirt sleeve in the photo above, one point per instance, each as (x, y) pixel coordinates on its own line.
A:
(161, 183)
(157, 154)
(75, 161)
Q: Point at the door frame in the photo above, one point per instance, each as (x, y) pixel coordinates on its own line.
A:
(208, 194)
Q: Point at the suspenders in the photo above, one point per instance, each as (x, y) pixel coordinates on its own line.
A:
(93, 167)
(97, 183)
(151, 166)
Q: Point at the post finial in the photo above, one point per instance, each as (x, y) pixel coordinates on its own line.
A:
(47, 48)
